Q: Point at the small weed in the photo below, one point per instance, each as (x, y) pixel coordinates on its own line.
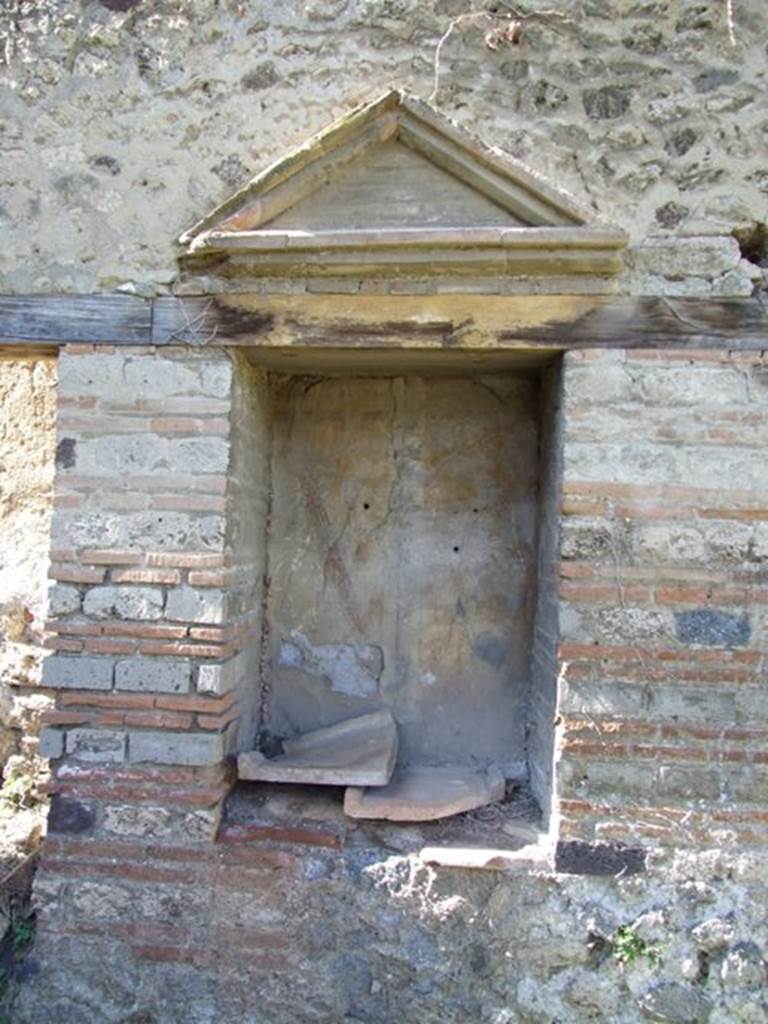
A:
(19, 787)
(628, 947)
(22, 933)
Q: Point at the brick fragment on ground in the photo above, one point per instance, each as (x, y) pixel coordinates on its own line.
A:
(423, 794)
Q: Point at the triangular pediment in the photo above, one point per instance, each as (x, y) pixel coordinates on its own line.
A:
(390, 187)
(395, 184)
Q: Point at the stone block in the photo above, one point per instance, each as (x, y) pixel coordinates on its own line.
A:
(675, 386)
(176, 748)
(222, 677)
(687, 257)
(729, 542)
(118, 454)
(153, 675)
(143, 603)
(575, 857)
(63, 600)
(744, 967)
(147, 453)
(51, 743)
(143, 822)
(185, 604)
(586, 539)
(67, 815)
(583, 777)
(81, 672)
(760, 542)
(213, 678)
(216, 378)
(643, 463)
(594, 698)
(712, 628)
(199, 455)
(714, 933)
(675, 1003)
(95, 375)
(606, 103)
(153, 376)
(598, 384)
(632, 626)
(98, 745)
(689, 782)
(139, 531)
(669, 544)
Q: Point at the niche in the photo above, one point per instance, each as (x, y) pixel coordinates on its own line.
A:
(403, 565)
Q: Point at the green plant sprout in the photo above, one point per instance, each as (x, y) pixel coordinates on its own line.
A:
(628, 947)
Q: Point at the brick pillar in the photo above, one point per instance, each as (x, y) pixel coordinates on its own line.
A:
(662, 598)
(157, 557)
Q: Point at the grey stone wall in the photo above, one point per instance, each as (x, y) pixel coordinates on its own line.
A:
(123, 122)
(305, 935)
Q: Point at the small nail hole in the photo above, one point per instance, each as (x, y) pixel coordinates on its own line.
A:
(366, 506)
(456, 549)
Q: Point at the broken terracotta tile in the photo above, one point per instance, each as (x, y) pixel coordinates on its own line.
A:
(421, 793)
(358, 752)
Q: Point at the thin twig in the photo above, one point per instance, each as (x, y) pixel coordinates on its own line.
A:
(454, 23)
(729, 21)
(194, 324)
(506, 28)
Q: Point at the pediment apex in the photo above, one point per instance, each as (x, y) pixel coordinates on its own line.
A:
(493, 202)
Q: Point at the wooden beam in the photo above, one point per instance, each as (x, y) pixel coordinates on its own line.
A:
(657, 323)
(455, 320)
(556, 322)
(112, 319)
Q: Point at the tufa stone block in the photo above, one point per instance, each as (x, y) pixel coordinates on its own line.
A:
(675, 1003)
(81, 672)
(712, 628)
(153, 675)
(140, 603)
(214, 678)
(67, 815)
(51, 744)
(63, 600)
(221, 677)
(176, 748)
(188, 605)
(103, 746)
(576, 857)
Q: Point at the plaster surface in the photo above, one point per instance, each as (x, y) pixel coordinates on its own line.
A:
(404, 518)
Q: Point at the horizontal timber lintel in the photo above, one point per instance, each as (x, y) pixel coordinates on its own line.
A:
(551, 322)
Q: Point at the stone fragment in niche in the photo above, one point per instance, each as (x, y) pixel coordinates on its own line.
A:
(421, 793)
(358, 752)
(352, 669)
